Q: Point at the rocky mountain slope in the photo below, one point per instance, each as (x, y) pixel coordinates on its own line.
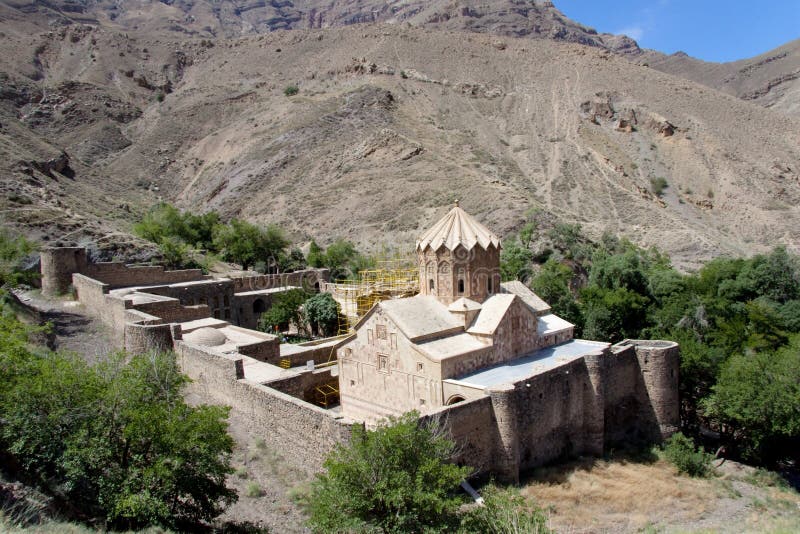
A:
(390, 125)
(771, 80)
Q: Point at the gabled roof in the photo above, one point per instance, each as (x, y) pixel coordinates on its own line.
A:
(450, 346)
(492, 312)
(458, 228)
(463, 305)
(421, 316)
(531, 299)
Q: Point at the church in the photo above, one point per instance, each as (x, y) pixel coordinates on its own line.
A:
(434, 349)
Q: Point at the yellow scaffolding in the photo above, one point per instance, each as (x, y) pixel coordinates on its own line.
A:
(390, 279)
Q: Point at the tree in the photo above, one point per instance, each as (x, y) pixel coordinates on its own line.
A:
(246, 243)
(322, 313)
(286, 309)
(515, 261)
(396, 478)
(13, 251)
(505, 511)
(294, 261)
(613, 314)
(316, 256)
(756, 399)
(339, 257)
(117, 439)
(552, 285)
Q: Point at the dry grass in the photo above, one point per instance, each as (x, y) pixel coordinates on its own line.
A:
(622, 495)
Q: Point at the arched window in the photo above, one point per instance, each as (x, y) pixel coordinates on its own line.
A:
(461, 286)
(489, 285)
(259, 306)
(430, 284)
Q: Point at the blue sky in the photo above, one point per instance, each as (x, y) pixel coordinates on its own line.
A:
(713, 30)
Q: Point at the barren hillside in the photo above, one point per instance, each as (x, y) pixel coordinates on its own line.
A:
(391, 124)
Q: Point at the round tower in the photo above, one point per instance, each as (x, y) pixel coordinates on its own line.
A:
(58, 264)
(660, 363)
(458, 257)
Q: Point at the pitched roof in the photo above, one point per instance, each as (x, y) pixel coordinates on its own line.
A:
(531, 299)
(457, 228)
(492, 312)
(421, 316)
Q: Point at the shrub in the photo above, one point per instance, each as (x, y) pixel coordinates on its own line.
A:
(322, 312)
(253, 490)
(505, 511)
(291, 90)
(657, 185)
(680, 450)
(396, 478)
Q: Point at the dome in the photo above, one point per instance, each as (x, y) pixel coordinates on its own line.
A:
(206, 337)
(457, 228)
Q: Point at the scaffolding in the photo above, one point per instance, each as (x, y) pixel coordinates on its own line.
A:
(391, 279)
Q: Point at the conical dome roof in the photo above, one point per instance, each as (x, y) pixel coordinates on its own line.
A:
(457, 228)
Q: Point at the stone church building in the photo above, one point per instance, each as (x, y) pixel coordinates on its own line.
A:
(535, 392)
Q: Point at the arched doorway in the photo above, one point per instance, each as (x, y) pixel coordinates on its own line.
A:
(455, 399)
(259, 307)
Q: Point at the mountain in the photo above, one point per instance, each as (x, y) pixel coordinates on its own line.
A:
(391, 124)
(771, 80)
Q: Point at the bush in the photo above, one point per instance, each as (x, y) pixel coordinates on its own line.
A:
(505, 511)
(291, 90)
(657, 185)
(396, 478)
(690, 460)
(285, 310)
(322, 313)
(253, 490)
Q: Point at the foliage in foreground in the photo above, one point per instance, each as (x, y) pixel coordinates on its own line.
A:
(505, 511)
(116, 440)
(681, 451)
(396, 478)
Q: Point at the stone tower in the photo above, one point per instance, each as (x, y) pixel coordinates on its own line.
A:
(458, 257)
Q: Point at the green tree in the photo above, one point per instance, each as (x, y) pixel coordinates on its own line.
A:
(13, 251)
(339, 258)
(515, 261)
(322, 313)
(552, 284)
(294, 261)
(756, 399)
(316, 256)
(613, 314)
(286, 309)
(117, 440)
(396, 478)
(246, 243)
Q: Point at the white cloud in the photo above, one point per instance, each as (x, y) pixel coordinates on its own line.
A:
(634, 32)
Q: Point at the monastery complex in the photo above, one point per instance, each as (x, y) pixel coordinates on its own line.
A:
(488, 359)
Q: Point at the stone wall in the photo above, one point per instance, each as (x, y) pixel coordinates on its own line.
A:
(472, 426)
(305, 434)
(58, 266)
(302, 385)
(308, 279)
(120, 275)
(142, 338)
(449, 275)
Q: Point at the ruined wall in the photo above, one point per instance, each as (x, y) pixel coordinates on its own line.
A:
(97, 303)
(308, 279)
(142, 338)
(117, 274)
(57, 267)
(304, 433)
(171, 311)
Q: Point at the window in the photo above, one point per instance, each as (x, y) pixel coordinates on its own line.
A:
(352, 382)
(422, 402)
(380, 331)
(227, 313)
(420, 367)
(226, 300)
(461, 286)
(348, 352)
(383, 363)
(489, 285)
(430, 284)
